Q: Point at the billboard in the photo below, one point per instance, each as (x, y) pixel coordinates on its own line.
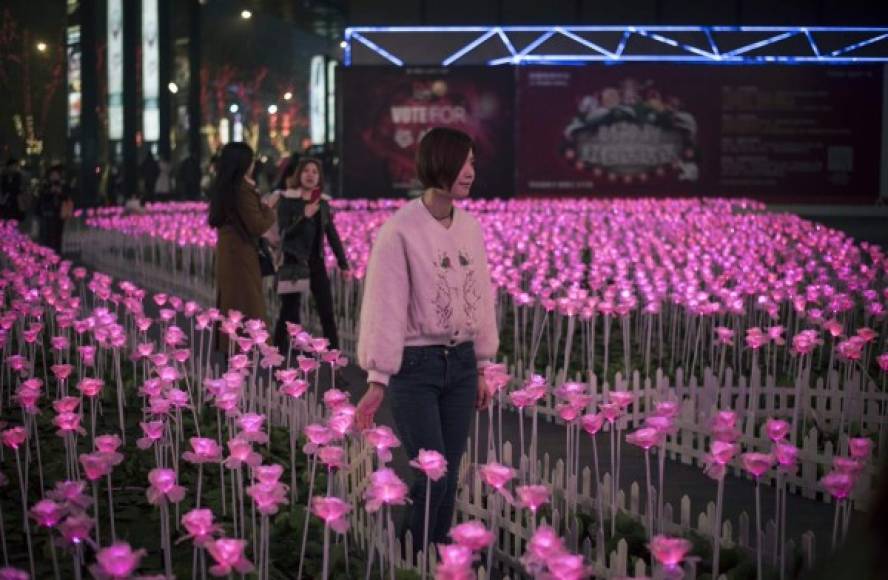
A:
(781, 133)
(115, 70)
(150, 72)
(75, 85)
(386, 111)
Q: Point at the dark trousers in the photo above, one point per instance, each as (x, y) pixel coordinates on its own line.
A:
(319, 283)
(432, 400)
(51, 230)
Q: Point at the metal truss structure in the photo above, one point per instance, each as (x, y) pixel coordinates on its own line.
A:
(523, 45)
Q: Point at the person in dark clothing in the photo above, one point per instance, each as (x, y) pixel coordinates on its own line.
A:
(54, 206)
(150, 170)
(188, 179)
(304, 218)
(11, 187)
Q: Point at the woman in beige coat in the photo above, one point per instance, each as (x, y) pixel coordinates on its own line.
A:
(240, 217)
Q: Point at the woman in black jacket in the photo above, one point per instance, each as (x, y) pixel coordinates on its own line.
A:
(304, 218)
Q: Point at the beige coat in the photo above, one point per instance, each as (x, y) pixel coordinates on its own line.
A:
(238, 278)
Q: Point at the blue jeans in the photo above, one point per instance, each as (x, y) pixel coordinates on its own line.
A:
(432, 400)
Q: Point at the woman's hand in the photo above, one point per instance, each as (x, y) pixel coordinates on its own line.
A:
(368, 405)
(483, 398)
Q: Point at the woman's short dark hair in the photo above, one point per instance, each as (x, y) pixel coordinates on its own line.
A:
(305, 162)
(441, 155)
(231, 168)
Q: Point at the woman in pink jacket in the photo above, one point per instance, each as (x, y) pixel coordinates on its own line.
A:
(428, 323)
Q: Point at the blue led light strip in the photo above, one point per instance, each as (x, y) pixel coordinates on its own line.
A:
(658, 33)
(377, 49)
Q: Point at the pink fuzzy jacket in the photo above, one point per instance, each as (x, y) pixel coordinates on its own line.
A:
(425, 285)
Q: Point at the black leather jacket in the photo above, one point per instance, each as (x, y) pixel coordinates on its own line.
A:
(298, 235)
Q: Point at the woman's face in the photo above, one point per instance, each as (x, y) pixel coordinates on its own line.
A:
(463, 183)
(310, 177)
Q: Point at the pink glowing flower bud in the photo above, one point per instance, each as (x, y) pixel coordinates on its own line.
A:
(851, 349)
(610, 411)
(295, 388)
(454, 563)
(331, 456)
(867, 334)
(848, 466)
(646, 437)
(385, 488)
(775, 334)
(68, 424)
(317, 435)
(268, 473)
(592, 422)
(199, 525)
(319, 345)
(95, 465)
(59, 342)
(567, 412)
(543, 545)
(776, 429)
(431, 463)
(251, 425)
(787, 455)
(333, 511)
(723, 452)
(383, 440)
(18, 363)
(62, 371)
(307, 364)
(203, 450)
(10, 573)
(268, 496)
(46, 513)
(334, 398)
(496, 475)
(724, 335)
(522, 398)
(473, 535)
(532, 496)
(668, 409)
(837, 484)
(665, 425)
(669, 552)
(87, 355)
(76, 528)
(153, 431)
(755, 338)
(229, 556)
(241, 452)
(496, 377)
(882, 359)
(163, 486)
(724, 426)
(14, 437)
(342, 420)
(118, 561)
(71, 493)
(860, 448)
(621, 398)
(66, 404)
(567, 567)
(757, 463)
(90, 387)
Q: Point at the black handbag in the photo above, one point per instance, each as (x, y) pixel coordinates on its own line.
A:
(266, 261)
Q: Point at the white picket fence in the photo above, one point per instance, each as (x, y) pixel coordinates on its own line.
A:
(188, 271)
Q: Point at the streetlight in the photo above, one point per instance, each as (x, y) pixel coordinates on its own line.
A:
(272, 109)
(246, 14)
(173, 87)
(41, 46)
(233, 108)
(342, 44)
(288, 95)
